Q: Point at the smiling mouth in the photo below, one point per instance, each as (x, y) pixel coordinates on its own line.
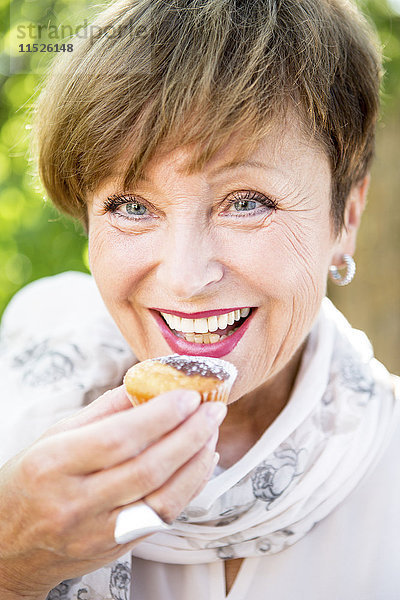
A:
(214, 329)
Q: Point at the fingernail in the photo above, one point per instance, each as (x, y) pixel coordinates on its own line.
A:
(217, 411)
(213, 464)
(188, 401)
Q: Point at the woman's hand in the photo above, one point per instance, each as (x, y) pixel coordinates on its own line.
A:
(60, 498)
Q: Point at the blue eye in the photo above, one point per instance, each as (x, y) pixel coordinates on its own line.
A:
(246, 203)
(126, 207)
(135, 208)
(242, 205)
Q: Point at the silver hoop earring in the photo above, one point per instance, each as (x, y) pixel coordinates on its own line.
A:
(337, 278)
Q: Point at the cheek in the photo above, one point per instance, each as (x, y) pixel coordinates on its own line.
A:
(290, 259)
(117, 261)
(302, 253)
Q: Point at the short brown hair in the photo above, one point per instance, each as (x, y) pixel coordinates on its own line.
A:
(195, 71)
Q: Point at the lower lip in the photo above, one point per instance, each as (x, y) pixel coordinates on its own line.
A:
(216, 350)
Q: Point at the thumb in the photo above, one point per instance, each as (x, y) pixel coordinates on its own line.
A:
(110, 402)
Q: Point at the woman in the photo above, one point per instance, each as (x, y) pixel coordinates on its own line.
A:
(218, 155)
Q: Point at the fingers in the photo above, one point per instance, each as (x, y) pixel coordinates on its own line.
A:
(119, 437)
(67, 488)
(134, 479)
(170, 500)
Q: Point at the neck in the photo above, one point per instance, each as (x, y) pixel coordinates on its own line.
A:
(249, 417)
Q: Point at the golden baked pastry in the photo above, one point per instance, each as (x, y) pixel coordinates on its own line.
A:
(211, 377)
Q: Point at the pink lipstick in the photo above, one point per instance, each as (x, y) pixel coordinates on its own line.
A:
(216, 350)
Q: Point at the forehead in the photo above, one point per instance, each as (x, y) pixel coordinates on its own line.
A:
(284, 149)
(287, 150)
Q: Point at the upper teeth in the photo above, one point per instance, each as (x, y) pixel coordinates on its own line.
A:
(205, 325)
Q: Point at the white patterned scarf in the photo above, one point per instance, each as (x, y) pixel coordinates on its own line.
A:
(331, 433)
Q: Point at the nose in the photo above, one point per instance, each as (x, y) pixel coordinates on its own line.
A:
(189, 266)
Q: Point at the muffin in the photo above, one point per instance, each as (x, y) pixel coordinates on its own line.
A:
(211, 377)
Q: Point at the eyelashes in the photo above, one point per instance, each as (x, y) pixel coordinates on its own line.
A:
(244, 199)
(115, 201)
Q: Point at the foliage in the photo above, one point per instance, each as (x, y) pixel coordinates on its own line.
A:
(35, 240)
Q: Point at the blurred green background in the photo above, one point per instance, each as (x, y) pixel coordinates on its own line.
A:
(35, 241)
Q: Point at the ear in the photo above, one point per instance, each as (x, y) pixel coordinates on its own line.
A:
(355, 206)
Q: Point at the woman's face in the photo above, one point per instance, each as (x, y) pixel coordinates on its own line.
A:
(255, 235)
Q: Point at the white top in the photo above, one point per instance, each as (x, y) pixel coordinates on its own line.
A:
(352, 554)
